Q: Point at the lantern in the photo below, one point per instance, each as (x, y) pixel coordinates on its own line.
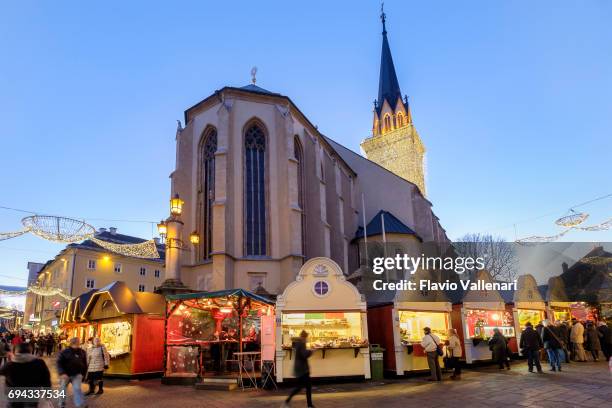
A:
(194, 238)
(176, 205)
(162, 228)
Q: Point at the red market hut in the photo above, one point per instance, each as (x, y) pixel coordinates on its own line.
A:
(476, 312)
(396, 321)
(131, 326)
(204, 330)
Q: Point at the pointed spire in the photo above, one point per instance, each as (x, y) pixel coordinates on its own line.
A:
(388, 85)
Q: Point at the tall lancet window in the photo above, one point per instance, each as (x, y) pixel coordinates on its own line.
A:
(298, 153)
(255, 191)
(208, 147)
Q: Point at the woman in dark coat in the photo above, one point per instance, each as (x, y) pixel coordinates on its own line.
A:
(592, 340)
(301, 370)
(499, 346)
(605, 339)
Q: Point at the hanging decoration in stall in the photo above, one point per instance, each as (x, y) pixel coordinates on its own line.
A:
(68, 230)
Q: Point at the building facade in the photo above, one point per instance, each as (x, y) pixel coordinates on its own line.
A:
(265, 190)
(78, 268)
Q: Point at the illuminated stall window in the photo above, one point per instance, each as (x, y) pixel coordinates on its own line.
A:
(412, 324)
(116, 337)
(325, 329)
(480, 323)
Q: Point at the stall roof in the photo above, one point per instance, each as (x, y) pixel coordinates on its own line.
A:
(127, 301)
(220, 293)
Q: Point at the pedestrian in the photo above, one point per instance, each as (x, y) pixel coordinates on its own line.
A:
(432, 347)
(97, 361)
(553, 346)
(455, 353)
(498, 345)
(530, 346)
(5, 350)
(301, 370)
(592, 339)
(577, 338)
(605, 339)
(564, 335)
(25, 371)
(72, 367)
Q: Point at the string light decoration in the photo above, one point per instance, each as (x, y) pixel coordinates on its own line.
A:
(9, 235)
(37, 290)
(604, 226)
(58, 229)
(572, 219)
(147, 249)
(535, 239)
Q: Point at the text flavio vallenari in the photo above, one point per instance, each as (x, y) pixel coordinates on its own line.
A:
(427, 284)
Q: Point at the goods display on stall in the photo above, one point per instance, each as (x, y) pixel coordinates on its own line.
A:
(396, 321)
(331, 310)
(557, 300)
(131, 326)
(475, 314)
(526, 305)
(210, 333)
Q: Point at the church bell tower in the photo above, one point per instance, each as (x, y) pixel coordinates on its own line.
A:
(395, 143)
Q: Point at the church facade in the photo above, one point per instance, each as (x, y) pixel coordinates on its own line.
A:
(265, 190)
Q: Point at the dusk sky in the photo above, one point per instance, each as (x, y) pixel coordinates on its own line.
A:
(511, 98)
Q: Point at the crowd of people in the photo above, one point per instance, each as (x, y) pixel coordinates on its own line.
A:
(21, 364)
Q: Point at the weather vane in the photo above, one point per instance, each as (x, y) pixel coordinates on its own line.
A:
(383, 16)
(253, 74)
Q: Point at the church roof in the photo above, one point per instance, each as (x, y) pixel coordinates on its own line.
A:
(392, 226)
(257, 89)
(388, 85)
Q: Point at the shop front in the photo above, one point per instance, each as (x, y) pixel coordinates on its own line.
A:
(331, 310)
(558, 305)
(526, 305)
(131, 326)
(397, 325)
(207, 334)
(475, 317)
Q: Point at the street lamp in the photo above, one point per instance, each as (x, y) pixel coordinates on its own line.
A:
(162, 228)
(194, 238)
(176, 205)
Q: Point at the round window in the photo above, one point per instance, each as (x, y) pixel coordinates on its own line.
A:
(321, 288)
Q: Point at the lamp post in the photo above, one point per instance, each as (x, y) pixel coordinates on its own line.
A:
(171, 231)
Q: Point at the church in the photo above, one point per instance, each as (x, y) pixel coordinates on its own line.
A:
(265, 190)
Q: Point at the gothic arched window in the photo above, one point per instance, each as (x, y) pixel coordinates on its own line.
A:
(387, 122)
(298, 153)
(208, 147)
(400, 120)
(255, 191)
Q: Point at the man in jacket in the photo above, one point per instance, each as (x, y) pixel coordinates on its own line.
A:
(553, 346)
(530, 345)
(71, 368)
(97, 361)
(25, 370)
(430, 343)
(577, 339)
(301, 370)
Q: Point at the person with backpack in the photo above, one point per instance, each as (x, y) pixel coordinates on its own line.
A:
(71, 368)
(98, 360)
(433, 348)
(498, 345)
(530, 345)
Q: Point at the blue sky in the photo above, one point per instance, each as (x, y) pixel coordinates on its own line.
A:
(511, 98)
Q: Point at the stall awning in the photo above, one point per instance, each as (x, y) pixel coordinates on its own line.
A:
(220, 293)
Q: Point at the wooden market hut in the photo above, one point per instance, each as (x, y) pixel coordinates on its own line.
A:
(204, 329)
(71, 322)
(131, 326)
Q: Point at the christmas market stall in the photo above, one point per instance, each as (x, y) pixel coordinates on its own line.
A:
(131, 326)
(396, 321)
(71, 323)
(208, 334)
(526, 305)
(331, 310)
(479, 310)
(558, 305)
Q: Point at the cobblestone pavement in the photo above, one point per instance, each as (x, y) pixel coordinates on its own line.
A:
(579, 385)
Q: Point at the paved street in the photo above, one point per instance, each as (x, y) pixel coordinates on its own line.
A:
(579, 385)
